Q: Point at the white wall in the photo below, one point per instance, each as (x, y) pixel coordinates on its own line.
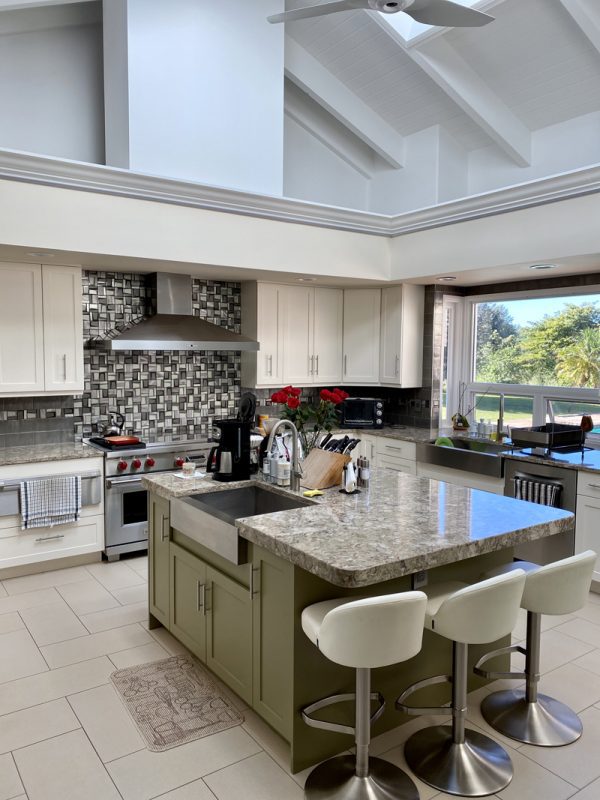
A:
(51, 94)
(206, 92)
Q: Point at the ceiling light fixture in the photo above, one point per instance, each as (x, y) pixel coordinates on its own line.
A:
(448, 278)
(41, 255)
(543, 266)
(307, 280)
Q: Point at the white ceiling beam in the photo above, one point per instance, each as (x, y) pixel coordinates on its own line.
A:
(586, 14)
(10, 5)
(330, 93)
(459, 81)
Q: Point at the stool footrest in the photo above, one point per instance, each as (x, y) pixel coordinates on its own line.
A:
(416, 710)
(332, 700)
(501, 651)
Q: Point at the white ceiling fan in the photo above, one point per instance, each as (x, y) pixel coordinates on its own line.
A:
(443, 13)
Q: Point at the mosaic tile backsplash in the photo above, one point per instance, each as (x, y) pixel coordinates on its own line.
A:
(160, 393)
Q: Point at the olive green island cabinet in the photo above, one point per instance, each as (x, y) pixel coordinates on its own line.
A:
(243, 623)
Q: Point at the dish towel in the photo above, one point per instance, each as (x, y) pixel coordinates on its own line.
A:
(50, 501)
(545, 494)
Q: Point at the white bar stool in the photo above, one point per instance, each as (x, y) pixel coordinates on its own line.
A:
(362, 634)
(451, 758)
(527, 716)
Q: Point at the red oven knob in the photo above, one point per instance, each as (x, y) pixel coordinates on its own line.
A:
(179, 462)
(136, 463)
(150, 462)
(122, 466)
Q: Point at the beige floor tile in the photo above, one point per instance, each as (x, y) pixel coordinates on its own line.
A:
(570, 684)
(255, 778)
(88, 597)
(444, 796)
(22, 728)
(132, 594)
(64, 768)
(559, 649)
(44, 580)
(94, 645)
(10, 783)
(19, 602)
(532, 782)
(140, 565)
(3, 591)
(266, 737)
(591, 612)
(145, 775)
(196, 790)
(397, 736)
(396, 756)
(139, 655)
(19, 656)
(593, 597)
(52, 623)
(107, 722)
(115, 575)
(590, 661)
(115, 617)
(169, 642)
(11, 622)
(591, 792)
(578, 763)
(53, 684)
(475, 718)
(583, 630)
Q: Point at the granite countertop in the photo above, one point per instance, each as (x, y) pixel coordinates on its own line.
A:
(30, 453)
(400, 525)
(401, 432)
(588, 461)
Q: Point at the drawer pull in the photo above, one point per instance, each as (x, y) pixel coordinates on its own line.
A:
(254, 587)
(201, 597)
(50, 538)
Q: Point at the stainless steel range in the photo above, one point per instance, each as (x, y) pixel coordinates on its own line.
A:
(125, 501)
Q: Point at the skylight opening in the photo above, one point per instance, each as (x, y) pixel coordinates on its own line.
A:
(410, 30)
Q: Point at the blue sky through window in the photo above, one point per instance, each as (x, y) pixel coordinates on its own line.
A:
(526, 311)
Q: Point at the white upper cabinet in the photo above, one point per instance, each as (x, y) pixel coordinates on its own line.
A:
(21, 329)
(362, 318)
(328, 338)
(298, 354)
(402, 335)
(41, 330)
(63, 329)
(262, 319)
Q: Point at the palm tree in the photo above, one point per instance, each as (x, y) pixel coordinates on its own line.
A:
(579, 363)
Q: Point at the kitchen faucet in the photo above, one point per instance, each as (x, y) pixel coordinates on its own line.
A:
(296, 472)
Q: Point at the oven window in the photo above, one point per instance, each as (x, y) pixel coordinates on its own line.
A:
(135, 507)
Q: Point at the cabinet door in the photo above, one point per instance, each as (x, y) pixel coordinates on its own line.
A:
(273, 634)
(187, 615)
(361, 336)
(21, 329)
(298, 355)
(158, 558)
(229, 632)
(63, 329)
(587, 528)
(269, 371)
(391, 334)
(328, 335)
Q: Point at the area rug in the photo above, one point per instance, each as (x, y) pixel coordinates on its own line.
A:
(174, 701)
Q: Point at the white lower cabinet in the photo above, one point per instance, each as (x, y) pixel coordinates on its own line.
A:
(587, 527)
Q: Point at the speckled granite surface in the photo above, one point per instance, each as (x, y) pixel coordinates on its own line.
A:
(402, 433)
(588, 461)
(401, 525)
(28, 454)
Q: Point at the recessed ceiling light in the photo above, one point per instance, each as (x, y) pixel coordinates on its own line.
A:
(306, 280)
(41, 255)
(448, 278)
(543, 266)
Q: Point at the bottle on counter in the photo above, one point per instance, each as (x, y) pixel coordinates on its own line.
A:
(283, 472)
(274, 461)
(267, 467)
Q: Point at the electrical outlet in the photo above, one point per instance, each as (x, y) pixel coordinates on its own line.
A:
(420, 579)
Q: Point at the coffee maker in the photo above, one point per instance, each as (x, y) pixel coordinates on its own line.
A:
(232, 454)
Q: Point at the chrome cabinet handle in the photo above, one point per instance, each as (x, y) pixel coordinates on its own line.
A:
(163, 535)
(397, 367)
(252, 589)
(271, 366)
(65, 367)
(50, 538)
(311, 370)
(345, 365)
(317, 360)
(201, 597)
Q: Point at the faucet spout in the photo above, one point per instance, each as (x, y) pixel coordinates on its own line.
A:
(296, 472)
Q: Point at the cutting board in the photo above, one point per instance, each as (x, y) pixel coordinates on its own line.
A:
(322, 470)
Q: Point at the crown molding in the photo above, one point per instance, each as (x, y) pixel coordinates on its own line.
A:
(48, 171)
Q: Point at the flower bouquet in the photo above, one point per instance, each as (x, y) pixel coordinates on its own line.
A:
(310, 420)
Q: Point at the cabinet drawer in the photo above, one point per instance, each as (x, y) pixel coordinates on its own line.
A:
(398, 464)
(41, 544)
(588, 484)
(396, 448)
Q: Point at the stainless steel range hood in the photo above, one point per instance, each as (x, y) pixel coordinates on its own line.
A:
(173, 326)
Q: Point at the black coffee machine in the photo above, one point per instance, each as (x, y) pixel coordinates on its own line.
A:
(232, 454)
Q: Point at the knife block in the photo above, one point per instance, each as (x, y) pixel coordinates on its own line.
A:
(322, 470)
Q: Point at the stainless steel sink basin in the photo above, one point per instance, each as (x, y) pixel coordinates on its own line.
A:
(209, 519)
(469, 455)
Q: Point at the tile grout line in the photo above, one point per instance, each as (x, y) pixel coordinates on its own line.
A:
(12, 755)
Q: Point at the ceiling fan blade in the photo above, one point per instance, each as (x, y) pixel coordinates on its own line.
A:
(446, 14)
(319, 11)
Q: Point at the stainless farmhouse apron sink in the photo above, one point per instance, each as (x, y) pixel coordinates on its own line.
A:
(209, 518)
(472, 455)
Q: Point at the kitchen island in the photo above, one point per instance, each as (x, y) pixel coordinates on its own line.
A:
(243, 620)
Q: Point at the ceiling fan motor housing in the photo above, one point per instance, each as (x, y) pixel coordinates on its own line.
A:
(386, 7)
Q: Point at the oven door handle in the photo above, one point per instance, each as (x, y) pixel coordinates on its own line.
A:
(114, 484)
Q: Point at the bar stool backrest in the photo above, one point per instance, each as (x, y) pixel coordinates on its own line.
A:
(482, 612)
(561, 587)
(374, 631)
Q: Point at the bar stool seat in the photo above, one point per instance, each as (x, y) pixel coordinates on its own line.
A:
(526, 715)
(453, 759)
(363, 634)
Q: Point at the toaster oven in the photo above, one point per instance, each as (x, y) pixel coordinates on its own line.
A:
(362, 412)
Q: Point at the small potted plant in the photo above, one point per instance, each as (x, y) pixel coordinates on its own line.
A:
(310, 420)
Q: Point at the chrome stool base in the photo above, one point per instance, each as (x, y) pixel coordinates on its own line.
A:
(474, 768)
(545, 722)
(336, 779)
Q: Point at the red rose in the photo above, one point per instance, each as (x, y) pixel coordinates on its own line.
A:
(279, 397)
(325, 395)
(295, 392)
(287, 390)
(336, 399)
(293, 402)
(341, 393)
